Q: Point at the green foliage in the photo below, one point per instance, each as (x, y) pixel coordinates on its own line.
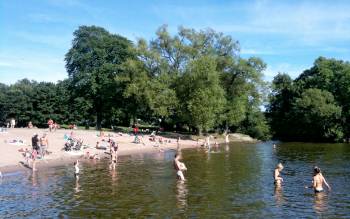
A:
(315, 106)
(318, 115)
(92, 64)
(192, 80)
(203, 95)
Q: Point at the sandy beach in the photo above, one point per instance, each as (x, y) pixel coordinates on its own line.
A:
(11, 158)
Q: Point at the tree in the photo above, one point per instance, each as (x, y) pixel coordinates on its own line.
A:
(92, 64)
(244, 88)
(318, 116)
(280, 107)
(202, 95)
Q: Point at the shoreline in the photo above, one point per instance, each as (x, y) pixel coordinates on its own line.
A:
(12, 159)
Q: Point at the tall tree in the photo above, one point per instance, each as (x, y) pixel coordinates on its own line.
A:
(201, 94)
(92, 64)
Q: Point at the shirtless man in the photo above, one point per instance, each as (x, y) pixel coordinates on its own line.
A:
(318, 180)
(277, 177)
(179, 167)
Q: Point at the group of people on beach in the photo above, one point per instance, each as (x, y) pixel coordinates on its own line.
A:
(39, 147)
(318, 179)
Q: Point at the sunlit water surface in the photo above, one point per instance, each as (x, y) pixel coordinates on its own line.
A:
(233, 181)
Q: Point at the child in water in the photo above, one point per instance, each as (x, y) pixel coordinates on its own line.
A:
(76, 166)
(318, 180)
(277, 177)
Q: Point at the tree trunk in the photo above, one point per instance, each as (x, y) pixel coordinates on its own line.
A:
(98, 120)
(199, 131)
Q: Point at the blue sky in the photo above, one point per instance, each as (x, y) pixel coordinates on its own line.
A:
(287, 35)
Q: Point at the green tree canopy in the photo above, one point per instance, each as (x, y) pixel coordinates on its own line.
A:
(92, 64)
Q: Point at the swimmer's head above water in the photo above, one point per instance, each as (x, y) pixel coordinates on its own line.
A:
(317, 170)
(279, 166)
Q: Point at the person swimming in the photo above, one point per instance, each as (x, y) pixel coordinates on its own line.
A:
(179, 167)
(318, 180)
(277, 177)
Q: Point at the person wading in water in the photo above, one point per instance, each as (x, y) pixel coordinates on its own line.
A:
(179, 167)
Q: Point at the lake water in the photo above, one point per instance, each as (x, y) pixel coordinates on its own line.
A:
(234, 181)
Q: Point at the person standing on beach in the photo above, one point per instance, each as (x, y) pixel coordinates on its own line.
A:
(277, 175)
(179, 167)
(50, 124)
(13, 123)
(44, 145)
(35, 142)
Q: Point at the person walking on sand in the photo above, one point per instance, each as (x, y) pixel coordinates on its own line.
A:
(179, 167)
(227, 140)
(277, 175)
(318, 181)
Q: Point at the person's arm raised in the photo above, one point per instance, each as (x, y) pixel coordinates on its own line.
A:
(325, 182)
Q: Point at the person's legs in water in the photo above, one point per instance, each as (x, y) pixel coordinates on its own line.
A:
(180, 175)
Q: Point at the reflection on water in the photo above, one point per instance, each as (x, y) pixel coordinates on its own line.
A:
(320, 205)
(279, 195)
(234, 180)
(77, 185)
(181, 194)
